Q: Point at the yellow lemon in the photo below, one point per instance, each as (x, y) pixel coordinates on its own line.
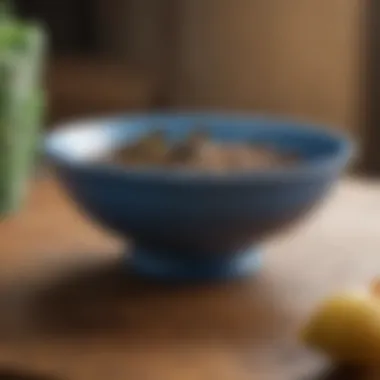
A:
(346, 327)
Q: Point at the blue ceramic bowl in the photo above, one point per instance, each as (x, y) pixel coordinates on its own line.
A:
(187, 224)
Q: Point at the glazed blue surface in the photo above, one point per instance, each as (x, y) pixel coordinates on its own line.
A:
(188, 224)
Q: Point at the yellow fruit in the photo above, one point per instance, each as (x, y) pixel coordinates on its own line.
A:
(347, 328)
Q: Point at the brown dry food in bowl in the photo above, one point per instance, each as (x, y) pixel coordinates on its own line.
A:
(200, 153)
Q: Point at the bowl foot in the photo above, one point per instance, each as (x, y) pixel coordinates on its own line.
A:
(149, 263)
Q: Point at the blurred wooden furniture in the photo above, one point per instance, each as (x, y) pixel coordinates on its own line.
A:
(69, 308)
(79, 86)
(370, 102)
(298, 58)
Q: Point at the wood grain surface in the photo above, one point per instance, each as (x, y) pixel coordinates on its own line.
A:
(70, 310)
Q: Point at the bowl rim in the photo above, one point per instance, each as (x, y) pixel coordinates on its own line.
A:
(345, 150)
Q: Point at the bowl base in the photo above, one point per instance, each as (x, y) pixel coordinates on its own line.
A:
(148, 263)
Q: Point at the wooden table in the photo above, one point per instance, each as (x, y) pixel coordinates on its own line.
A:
(67, 307)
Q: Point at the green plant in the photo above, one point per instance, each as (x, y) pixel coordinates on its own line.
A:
(22, 52)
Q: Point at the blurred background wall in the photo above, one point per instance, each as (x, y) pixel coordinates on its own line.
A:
(294, 57)
(302, 58)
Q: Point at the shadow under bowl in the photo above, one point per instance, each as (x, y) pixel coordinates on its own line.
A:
(187, 224)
